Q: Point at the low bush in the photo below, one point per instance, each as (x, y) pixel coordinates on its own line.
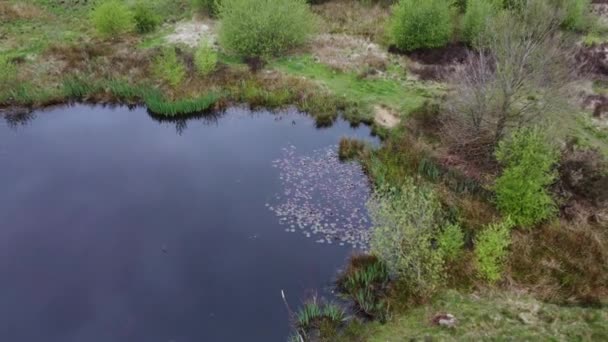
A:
(112, 18)
(264, 28)
(168, 67)
(208, 7)
(450, 242)
(419, 24)
(145, 16)
(576, 14)
(476, 18)
(205, 59)
(521, 189)
(491, 249)
(405, 221)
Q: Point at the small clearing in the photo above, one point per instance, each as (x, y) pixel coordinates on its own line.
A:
(191, 33)
(347, 53)
(385, 117)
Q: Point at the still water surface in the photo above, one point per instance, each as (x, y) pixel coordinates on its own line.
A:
(116, 227)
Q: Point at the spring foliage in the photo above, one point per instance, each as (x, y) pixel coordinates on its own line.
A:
(404, 224)
(478, 14)
(112, 18)
(264, 28)
(451, 241)
(491, 249)
(419, 24)
(521, 189)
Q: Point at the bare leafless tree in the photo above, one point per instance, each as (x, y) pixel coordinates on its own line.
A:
(516, 77)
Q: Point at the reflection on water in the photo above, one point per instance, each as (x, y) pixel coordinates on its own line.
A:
(115, 228)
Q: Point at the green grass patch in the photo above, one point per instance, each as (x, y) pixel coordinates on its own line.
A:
(495, 317)
(397, 94)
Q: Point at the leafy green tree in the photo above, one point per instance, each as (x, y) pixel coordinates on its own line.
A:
(476, 19)
(451, 241)
(491, 249)
(521, 189)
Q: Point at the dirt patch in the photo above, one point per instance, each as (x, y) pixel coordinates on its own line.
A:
(598, 104)
(593, 60)
(385, 117)
(191, 33)
(436, 64)
(348, 53)
(19, 11)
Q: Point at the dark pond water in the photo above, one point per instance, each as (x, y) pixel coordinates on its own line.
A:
(117, 227)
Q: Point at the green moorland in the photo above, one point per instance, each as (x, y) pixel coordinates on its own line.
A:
(491, 184)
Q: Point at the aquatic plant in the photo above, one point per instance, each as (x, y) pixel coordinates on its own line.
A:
(365, 282)
(160, 106)
(349, 148)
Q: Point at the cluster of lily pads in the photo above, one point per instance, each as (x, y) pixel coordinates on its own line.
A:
(323, 197)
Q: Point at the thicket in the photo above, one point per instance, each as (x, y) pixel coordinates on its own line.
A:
(522, 189)
(264, 28)
(208, 7)
(417, 24)
(112, 18)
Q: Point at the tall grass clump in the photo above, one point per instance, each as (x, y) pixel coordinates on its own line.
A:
(405, 221)
(145, 17)
(521, 189)
(319, 316)
(476, 18)
(168, 67)
(417, 24)
(112, 18)
(160, 106)
(491, 248)
(264, 28)
(205, 59)
(365, 282)
(8, 75)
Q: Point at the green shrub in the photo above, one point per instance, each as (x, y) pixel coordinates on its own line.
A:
(112, 18)
(208, 7)
(145, 16)
(491, 248)
(419, 24)
(168, 67)
(476, 18)
(576, 14)
(263, 28)
(450, 242)
(521, 189)
(404, 225)
(205, 59)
